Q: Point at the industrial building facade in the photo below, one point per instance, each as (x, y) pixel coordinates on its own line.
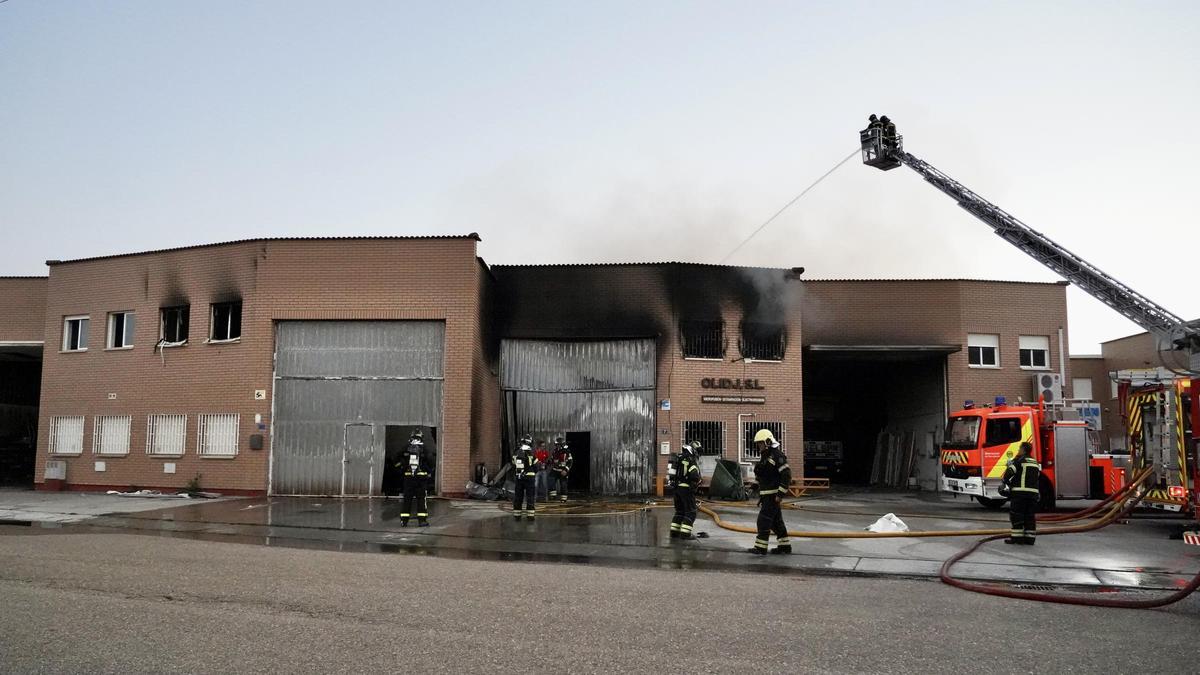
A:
(299, 366)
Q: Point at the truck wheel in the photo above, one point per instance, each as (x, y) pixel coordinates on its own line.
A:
(990, 503)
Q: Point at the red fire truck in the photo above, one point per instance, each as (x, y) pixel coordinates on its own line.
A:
(981, 440)
(1161, 410)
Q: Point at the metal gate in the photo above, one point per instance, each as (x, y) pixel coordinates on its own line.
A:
(335, 383)
(605, 388)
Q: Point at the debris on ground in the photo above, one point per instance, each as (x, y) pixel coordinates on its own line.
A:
(888, 523)
(167, 495)
(486, 492)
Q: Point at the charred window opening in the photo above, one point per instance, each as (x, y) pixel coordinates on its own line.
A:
(763, 341)
(174, 322)
(710, 435)
(226, 321)
(702, 339)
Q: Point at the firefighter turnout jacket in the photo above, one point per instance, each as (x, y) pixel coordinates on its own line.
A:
(1021, 477)
(562, 461)
(684, 472)
(772, 472)
(413, 462)
(525, 465)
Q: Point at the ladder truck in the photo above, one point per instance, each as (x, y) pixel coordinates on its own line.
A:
(1176, 470)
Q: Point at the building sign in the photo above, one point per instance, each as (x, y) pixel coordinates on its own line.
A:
(1090, 413)
(730, 383)
(733, 399)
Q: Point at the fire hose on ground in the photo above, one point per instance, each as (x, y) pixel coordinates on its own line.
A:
(1111, 509)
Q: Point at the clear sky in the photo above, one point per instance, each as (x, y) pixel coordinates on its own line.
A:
(611, 131)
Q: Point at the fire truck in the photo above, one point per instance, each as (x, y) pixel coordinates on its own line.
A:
(1178, 344)
(1161, 411)
(981, 440)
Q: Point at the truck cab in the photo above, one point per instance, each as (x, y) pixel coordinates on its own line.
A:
(981, 441)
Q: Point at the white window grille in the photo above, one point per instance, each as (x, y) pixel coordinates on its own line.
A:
(166, 434)
(66, 435)
(983, 351)
(120, 330)
(749, 429)
(217, 435)
(110, 435)
(702, 339)
(75, 333)
(711, 436)
(1034, 352)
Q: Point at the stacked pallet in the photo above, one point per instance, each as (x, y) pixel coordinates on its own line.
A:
(895, 458)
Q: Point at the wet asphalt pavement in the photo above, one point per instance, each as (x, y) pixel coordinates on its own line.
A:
(1139, 553)
(129, 603)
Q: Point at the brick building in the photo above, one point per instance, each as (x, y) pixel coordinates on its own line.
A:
(295, 366)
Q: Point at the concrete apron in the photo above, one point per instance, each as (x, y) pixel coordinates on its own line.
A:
(632, 534)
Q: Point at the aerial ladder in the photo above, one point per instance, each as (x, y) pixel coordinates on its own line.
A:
(1178, 341)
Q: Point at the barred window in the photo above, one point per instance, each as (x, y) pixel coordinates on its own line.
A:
(749, 454)
(710, 435)
(763, 341)
(217, 435)
(702, 339)
(166, 434)
(66, 435)
(110, 435)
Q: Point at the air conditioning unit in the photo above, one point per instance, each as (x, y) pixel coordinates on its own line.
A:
(1048, 386)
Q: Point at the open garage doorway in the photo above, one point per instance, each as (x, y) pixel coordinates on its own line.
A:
(875, 414)
(20, 391)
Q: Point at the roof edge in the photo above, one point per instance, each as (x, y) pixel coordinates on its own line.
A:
(473, 235)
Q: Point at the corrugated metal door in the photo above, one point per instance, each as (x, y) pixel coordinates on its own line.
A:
(330, 374)
(605, 388)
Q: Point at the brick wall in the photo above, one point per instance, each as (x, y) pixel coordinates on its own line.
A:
(275, 279)
(943, 312)
(649, 300)
(485, 392)
(23, 308)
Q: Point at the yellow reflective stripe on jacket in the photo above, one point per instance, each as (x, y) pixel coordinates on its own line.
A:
(768, 492)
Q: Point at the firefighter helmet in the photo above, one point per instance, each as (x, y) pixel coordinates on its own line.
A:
(692, 447)
(765, 436)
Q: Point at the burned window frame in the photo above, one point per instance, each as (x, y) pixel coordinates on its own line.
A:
(710, 433)
(234, 319)
(758, 346)
(183, 318)
(703, 339)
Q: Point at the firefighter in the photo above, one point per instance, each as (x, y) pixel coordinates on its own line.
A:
(560, 464)
(774, 476)
(414, 467)
(1021, 479)
(524, 472)
(889, 131)
(684, 474)
(873, 122)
